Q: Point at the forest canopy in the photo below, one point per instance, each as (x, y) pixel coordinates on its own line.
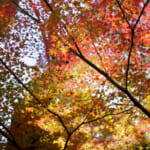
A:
(74, 75)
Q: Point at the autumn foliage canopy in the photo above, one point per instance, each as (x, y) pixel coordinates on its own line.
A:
(89, 88)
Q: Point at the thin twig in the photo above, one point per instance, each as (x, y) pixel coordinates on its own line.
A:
(93, 120)
(129, 56)
(24, 12)
(75, 43)
(99, 118)
(98, 53)
(141, 13)
(122, 104)
(123, 13)
(139, 20)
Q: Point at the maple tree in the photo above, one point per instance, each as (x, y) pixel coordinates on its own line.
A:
(97, 72)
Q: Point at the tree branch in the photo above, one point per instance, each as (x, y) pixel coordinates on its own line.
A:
(76, 45)
(124, 90)
(123, 13)
(132, 34)
(98, 53)
(24, 12)
(13, 142)
(123, 104)
(141, 13)
(35, 98)
(68, 138)
(48, 5)
(90, 121)
(132, 38)
(8, 131)
(139, 18)
(129, 56)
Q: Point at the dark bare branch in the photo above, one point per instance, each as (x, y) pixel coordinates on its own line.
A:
(75, 43)
(123, 13)
(35, 98)
(90, 121)
(132, 42)
(129, 57)
(124, 90)
(12, 141)
(111, 114)
(8, 131)
(48, 5)
(23, 11)
(141, 13)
